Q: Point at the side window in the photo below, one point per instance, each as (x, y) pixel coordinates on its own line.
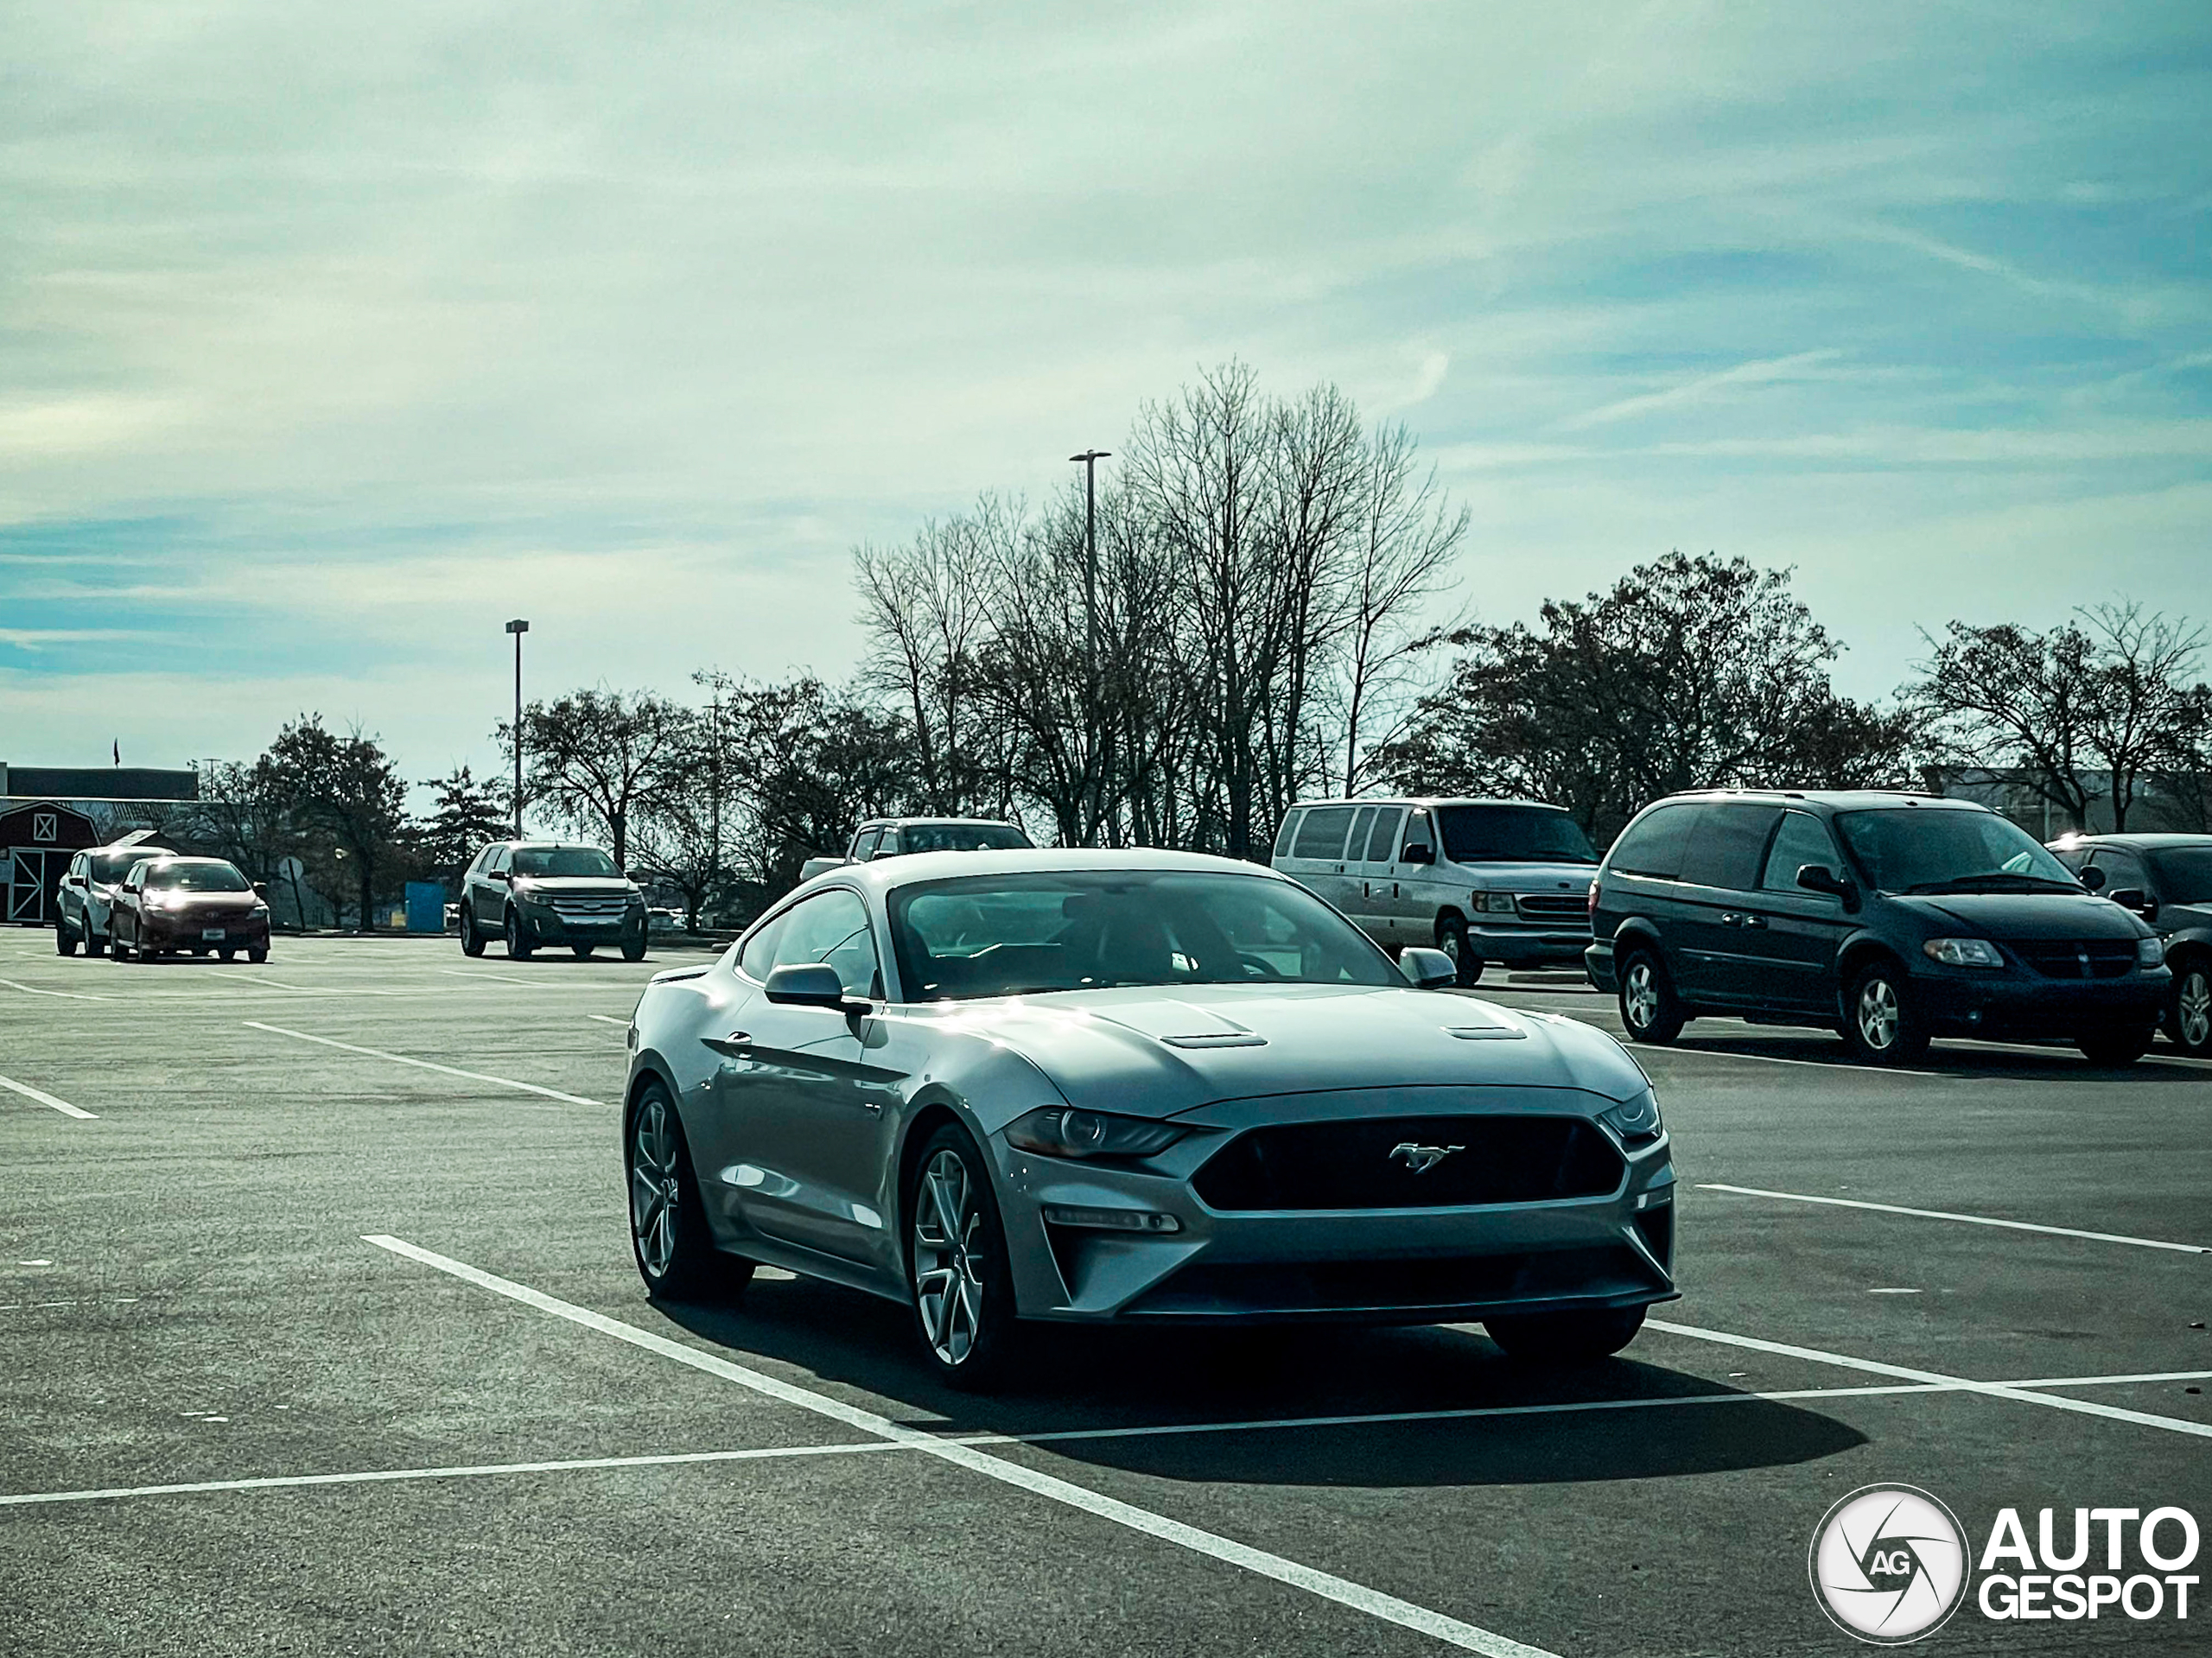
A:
(1725, 851)
(759, 952)
(1799, 840)
(1286, 836)
(864, 845)
(1357, 844)
(833, 927)
(1654, 844)
(1383, 839)
(1418, 832)
(1322, 834)
(501, 857)
(2122, 870)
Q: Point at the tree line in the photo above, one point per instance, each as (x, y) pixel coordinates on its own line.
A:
(1259, 605)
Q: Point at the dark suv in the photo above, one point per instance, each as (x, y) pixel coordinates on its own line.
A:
(1889, 918)
(533, 892)
(2166, 879)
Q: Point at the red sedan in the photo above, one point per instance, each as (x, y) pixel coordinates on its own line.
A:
(188, 903)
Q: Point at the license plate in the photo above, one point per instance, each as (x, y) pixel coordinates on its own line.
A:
(211, 932)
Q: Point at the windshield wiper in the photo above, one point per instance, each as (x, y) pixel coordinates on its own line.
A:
(1970, 883)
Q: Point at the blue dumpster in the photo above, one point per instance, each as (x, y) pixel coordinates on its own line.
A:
(426, 906)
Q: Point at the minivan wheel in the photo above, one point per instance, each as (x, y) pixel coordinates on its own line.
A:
(1451, 939)
(472, 942)
(1648, 1005)
(1564, 1338)
(668, 1236)
(2189, 1018)
(2120, 1047)
(957, 1263)
(1880, 1021)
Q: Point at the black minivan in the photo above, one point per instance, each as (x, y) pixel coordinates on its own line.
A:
(1889, 918)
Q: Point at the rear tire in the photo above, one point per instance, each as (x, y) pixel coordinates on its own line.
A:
(1451, 939)
(1564, 1338)
(668, 1236)
(472, 942)
(957, 1263)
(1649, 1006)
(2113, 1048)
(1881, 1020)
(2188, 1014)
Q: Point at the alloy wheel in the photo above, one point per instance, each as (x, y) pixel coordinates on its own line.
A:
(1641, 993)
(2193, 1009)
(949, 1243)
(656, 1188)
(1878, 1013)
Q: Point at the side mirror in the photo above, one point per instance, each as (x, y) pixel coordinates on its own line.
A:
(1418, 853)
(2093, 877)
(498, 874)
(1428, 969)
(261, 888)
(2132, 898)
(812, 984)
(1819, 878)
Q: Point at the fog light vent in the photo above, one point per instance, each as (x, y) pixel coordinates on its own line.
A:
(1111, 1219)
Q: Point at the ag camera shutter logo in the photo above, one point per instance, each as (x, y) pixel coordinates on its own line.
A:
(1889, 1565)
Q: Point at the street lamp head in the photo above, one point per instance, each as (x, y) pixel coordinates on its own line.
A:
(518, 627)
(1091, 454)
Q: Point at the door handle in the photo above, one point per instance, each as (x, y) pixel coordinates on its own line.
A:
(1755, 921)
(1729, 919)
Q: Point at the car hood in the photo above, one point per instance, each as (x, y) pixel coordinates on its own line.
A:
(572, 886)
(206, 903)
(2028, 915)
(1531, 877)
(1159, 1051)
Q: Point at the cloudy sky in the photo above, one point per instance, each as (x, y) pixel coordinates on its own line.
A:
(332, 336)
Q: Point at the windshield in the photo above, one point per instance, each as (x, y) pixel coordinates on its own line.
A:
(1905, 849)
(564, 860)
(211, 877)
(2185, 874)
(109, 867)
(1513, 835)
(1016, 934)
(959, 837)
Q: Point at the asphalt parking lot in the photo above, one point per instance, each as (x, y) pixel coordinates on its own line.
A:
(319, 1333)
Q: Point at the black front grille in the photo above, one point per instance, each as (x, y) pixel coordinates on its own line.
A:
(1246, 1289)
(2070, 958)
(1378, 1164)
(1556, 907)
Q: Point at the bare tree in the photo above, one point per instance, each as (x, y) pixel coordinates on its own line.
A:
(2138, 719)
(596, 756)
(2006, 698)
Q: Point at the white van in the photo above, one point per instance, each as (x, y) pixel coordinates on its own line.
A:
(1483, 880)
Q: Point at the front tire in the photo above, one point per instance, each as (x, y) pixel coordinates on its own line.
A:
(257, 954)
(518, 944)
(1451, 939)
(633, 950)
(2188, 1014)
(64, 940)
(2113, 1048)
(94, 943)
(955, 1261)
(668, 1236)
(1881, 1017)
(472, 942)
(582, 952)
(1564, 1338)
(1649, 1009)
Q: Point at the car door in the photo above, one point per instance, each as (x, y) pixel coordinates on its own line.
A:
(1714, 917)
(1375, 865)
(1789, 938)
(1317, 860)
(806, 1121)
(70, 900)
(488, 894)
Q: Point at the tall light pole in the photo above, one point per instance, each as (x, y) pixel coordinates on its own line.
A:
(518, 627)
(1089, 460)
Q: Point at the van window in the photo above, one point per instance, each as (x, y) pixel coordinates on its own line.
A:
(1322, 836)
(1288, 833)
(1653, 845)
(1418, 831)
(1360, 825)
(1725, 849)
(1799, 840)
(1382, 839)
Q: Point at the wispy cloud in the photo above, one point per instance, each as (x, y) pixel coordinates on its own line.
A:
(1765, 372)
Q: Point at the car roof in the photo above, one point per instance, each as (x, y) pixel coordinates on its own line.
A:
(1830, 799)
(2150, 842)
(1431, 800)
(917, 866)
(919, 822)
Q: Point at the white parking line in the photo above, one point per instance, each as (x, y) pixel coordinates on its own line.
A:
(609, 1019)
(1387, 1608)
(1817, 1064)
(1968, 1220)
(44, 1098)
(426, 1064)
(64, 995)
(1993, 1389)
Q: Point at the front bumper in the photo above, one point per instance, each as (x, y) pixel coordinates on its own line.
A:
(1597, 963)
(549, 926)
(188, 932)
(1356, 1266)
(1523, 946)
(2008, 1003)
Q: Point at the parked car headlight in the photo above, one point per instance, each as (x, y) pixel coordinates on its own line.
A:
(1063, 1131)
(1962, 952)
(1636, 1119)
(1493, 903)
(2150, 952)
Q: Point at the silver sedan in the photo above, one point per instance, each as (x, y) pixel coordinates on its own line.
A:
(1009, 1087)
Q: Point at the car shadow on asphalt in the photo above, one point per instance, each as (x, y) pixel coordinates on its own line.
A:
(1079, 1381)
(1977, 1062)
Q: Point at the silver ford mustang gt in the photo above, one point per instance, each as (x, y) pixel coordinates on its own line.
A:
(1132, 1087)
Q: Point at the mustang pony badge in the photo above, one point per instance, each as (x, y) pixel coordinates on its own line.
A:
(1421, 1158)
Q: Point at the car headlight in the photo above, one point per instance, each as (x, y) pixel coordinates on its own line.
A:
(2150, 952)
(1962, 952)
(1636, 1119)
(1493, 903)
(1063, 1131)
(165, 900)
